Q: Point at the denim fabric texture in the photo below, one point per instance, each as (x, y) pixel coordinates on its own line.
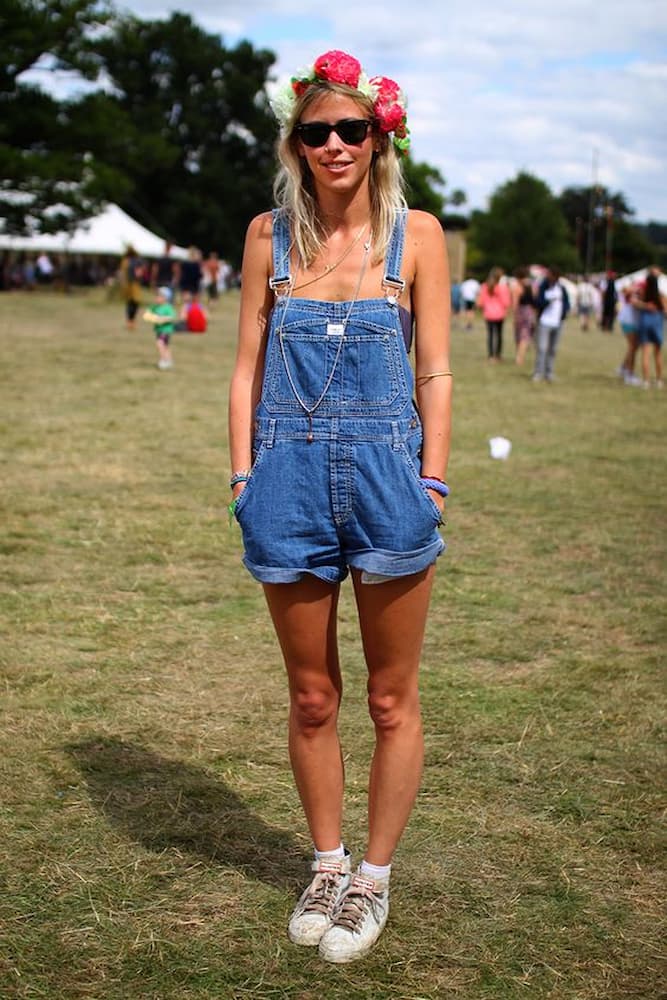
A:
(352, 496)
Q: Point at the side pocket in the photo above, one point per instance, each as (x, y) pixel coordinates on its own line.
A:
(414, 445)
(252, 482)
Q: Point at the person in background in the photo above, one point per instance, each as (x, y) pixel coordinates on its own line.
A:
(190, 278)
(162, 316)
(525, 312)
(553, 305)
(131, 271)
(651, 304)
(165, 271)
(494, 300)
(609, 300)
(335, 470)
(469, 292)
(628, 318)
(211, 272)
(585, 302)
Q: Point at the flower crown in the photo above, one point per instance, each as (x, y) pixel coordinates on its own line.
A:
(389, 102)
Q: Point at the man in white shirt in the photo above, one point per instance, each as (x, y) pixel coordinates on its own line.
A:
(469, 292)
(553, 305)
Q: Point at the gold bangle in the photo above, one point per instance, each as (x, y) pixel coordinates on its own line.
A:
(426, 378)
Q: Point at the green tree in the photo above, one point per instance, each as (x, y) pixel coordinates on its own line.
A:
(49, 177)
(203, 161)
(523, 225)
(424, 188)
(600, 228)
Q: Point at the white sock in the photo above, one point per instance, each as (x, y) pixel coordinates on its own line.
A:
(379, 872)
(338, 852)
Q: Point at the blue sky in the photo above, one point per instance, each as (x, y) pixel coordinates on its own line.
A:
(493, 88)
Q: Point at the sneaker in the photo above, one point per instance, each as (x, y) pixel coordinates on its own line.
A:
(165, 365)
(358, 921)
(313, 914)
(631, 379)
(659, 384)
(536, 377)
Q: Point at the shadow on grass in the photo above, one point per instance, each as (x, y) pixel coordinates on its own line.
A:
(163, 803)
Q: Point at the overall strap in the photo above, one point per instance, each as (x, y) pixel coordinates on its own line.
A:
(392, 282)
(280, 280)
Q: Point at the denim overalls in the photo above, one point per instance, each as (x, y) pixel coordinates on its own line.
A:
(335, 479)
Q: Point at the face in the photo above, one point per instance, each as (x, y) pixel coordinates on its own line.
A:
(337, 165)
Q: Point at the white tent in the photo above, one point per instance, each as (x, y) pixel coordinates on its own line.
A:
(110, 233)
(638, 276)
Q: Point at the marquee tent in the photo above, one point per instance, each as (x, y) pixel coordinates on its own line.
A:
(638, 276)
(109, 233)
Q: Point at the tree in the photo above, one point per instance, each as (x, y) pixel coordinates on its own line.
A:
(422, 184)
(203, 162)
(523, 225)
(49, 177)
(600, 229)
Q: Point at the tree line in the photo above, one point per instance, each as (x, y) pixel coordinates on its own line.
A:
(176, 128)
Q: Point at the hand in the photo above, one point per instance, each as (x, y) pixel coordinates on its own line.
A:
(438, 500)
(237, 490)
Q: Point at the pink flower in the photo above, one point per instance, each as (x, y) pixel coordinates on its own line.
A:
(389, 103)
(338, 67)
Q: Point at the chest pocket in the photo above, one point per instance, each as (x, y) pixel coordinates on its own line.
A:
(364, 371)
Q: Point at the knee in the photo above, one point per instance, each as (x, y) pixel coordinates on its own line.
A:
(392, 710)
(313, 708)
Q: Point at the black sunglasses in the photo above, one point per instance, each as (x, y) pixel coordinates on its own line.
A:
(352, 131)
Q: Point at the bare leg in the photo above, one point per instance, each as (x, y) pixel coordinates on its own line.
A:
(392, 616)
(304, 617)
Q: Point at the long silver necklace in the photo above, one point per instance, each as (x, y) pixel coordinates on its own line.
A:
(339, 332)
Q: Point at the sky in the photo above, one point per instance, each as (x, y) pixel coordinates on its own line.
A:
(572, 91)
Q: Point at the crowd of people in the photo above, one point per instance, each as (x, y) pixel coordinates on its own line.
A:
(538, 301)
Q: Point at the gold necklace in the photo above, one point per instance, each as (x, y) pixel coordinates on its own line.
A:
(332, 267)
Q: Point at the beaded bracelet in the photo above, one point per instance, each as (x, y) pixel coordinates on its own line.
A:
(239, 477)
(435, 484)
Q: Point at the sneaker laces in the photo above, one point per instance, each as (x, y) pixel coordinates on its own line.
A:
(322, 892)
(355, 903)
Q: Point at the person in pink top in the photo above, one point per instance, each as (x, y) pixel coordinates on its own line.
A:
(494, 300)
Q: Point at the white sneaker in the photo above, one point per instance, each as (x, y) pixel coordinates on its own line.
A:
(358, 921)
(313, 914)
(164, 365)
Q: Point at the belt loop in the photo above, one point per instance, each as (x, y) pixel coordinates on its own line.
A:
(271, 433)
(396, 436)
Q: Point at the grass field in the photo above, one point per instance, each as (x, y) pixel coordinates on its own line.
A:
(151, 841)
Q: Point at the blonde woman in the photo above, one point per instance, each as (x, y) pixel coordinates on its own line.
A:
(335, 469)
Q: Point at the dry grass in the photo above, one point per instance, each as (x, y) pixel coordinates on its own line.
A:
(152, 843)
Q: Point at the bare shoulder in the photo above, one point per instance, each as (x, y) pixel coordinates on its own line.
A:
(423, 227)
(260, 227)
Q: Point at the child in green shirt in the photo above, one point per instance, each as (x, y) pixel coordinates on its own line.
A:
(162, 315)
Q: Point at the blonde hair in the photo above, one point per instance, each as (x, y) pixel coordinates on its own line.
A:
(294, 190)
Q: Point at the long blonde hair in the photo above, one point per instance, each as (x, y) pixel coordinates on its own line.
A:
(294, 190)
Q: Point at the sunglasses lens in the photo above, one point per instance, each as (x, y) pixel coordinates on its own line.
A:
(313, 134)
(352, 131)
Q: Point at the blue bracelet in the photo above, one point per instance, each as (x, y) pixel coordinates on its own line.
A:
(239, 477)
(436, 485)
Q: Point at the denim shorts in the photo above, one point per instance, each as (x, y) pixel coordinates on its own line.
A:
(351, 498)
(650, 328)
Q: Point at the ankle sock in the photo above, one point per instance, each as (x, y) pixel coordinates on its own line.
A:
(379, 872)
(338, 852)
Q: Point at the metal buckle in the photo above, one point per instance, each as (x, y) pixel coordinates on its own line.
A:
(280, 286)
(393, 288)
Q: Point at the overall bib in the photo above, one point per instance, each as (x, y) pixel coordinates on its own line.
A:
(335, 480)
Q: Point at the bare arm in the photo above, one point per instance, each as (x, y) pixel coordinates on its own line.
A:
(246, 383)
(431, 307)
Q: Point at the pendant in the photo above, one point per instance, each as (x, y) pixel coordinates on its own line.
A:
(310, 437)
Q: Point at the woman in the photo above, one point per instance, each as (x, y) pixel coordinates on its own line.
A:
(650, 304)
(131, 271)
(494, 300)
(334, 468)
(525, 314)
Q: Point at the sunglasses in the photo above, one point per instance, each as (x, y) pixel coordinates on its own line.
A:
(352, 131)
